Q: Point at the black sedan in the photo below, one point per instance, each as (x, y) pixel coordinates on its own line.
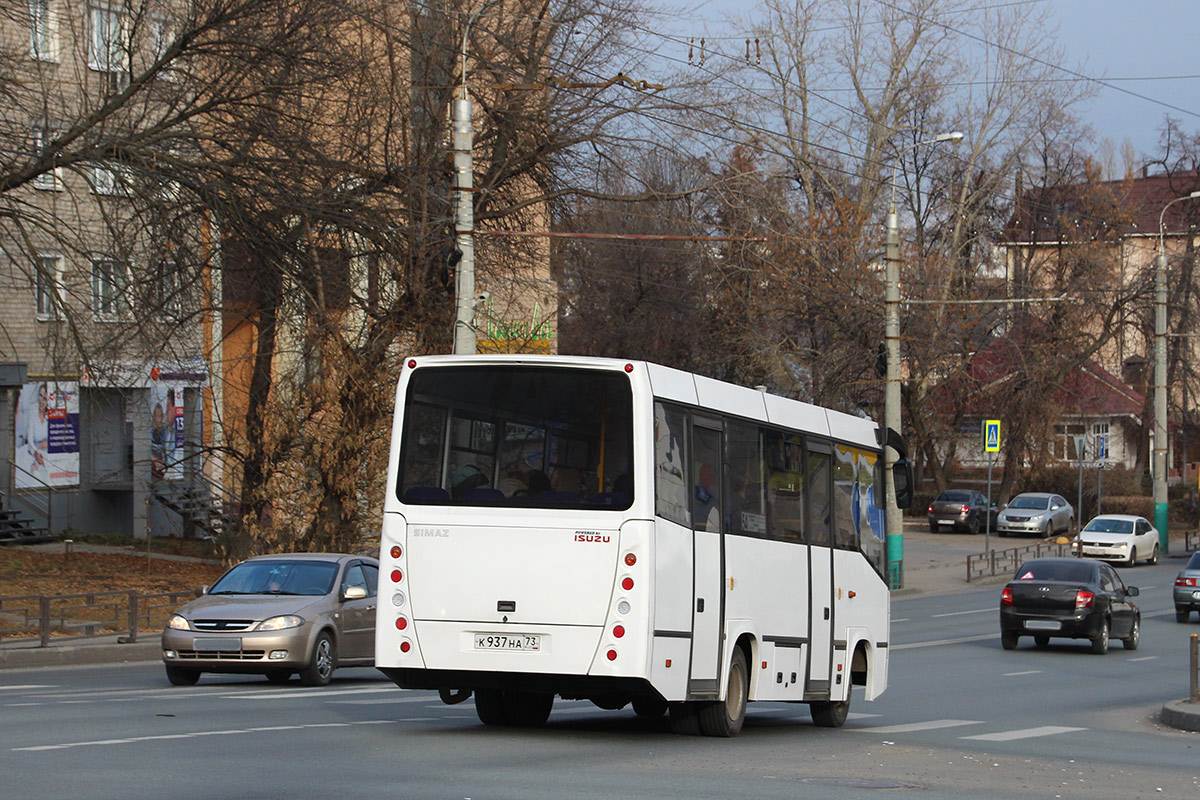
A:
(1073, 598)
(959, 509)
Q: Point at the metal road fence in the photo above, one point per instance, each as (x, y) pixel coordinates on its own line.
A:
(1001, 562)
(65, 618)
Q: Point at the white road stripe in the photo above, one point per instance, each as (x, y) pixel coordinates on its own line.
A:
(1026, 672)
(197, 734)
(960, 613)
(930, 725)
(27, 686)
(1144, 658)
(284, 693)
(938, 642)
(1025, 733)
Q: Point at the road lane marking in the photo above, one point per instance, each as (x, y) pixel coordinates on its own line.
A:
(28, 686)
(905, 619)
(1026, 672)
(284, 693)
(960, 613)
(1144, 658)
(938, 642)
(198, 734)
(1025, 733)
(930, 725)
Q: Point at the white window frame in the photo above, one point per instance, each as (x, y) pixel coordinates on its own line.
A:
(110, 180)
(47, 297)
(162, 30)
(43, 30)
(110, 285)
(106, 46)
(50, 181)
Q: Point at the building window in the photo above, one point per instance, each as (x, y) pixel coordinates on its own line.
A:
(47, 286)
(105, 46)
(110, 180)
(42, 41)
(110, 281)
(169, 283)
(51, 179)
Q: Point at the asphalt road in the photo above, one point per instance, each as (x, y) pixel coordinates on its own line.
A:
(962, 718)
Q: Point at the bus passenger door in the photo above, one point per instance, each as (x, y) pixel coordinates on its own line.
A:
(820, 567)
(708, 559)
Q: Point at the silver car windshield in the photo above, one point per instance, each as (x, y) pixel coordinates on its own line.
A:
(1024, 501)
(278, 577)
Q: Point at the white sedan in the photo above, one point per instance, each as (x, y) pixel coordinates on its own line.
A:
(1118, 537)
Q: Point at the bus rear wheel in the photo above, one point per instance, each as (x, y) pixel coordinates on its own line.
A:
(828, 714)
(489, 705)
(528, 709)
(725, 718)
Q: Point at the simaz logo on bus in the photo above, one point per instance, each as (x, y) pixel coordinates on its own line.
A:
(591, 536)
(440, 533)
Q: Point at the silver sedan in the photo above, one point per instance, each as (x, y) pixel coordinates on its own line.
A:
(1038, 513)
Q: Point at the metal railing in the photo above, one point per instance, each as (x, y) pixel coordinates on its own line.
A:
(998, 562)
(65, 618)
(28, 494)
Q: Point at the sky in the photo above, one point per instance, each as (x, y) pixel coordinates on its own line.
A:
(1143, 51)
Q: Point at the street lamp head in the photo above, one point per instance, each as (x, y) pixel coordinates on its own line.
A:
(954, 137)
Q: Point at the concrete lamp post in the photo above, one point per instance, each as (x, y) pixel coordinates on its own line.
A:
(1160, 379)
(891, 333)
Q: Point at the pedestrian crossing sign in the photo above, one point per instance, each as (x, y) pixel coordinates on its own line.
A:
(991, 436)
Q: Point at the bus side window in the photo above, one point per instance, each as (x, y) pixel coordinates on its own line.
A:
(844, 534)
(819, 507)
(785, 487)
(706, 494)
(744, 503)
(670, 456)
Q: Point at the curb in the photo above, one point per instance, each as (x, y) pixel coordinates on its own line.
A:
(1181, 714)
(81, 654)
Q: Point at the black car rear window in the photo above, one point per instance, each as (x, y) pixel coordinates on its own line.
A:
(1194, 561)
(1078, 572)
(954, 497)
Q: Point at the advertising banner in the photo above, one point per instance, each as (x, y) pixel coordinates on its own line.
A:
(166, 432)
(47, 435)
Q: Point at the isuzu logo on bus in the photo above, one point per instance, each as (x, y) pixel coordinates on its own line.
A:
(591, 536)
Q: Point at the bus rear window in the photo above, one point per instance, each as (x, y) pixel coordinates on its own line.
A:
(517, 436)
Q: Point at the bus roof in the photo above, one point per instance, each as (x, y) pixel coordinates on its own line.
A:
(670, 383)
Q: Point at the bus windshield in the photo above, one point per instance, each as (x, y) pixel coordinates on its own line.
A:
(517, 436)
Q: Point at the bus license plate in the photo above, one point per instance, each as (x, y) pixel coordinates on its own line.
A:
(508, 641)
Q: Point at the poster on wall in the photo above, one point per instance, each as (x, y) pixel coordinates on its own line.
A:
(47, 435)
(166, 432)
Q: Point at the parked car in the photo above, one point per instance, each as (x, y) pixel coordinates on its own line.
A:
(1074, 598)
(961, 510)
(277, 615)
(1187, 589)
(1036, 512)
(1119, 537)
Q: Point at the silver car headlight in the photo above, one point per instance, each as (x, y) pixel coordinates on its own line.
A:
(1122, 545)
(1037, 518)
(177, 622)
(280, 623)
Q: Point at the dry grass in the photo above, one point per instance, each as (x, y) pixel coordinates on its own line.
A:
(37, 572)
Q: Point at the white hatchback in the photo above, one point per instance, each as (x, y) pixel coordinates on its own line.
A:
(1118, 537)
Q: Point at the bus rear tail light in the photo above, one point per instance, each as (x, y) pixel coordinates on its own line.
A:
(1083, 599)
(397, 576)
(401, 623)
(611, 655)
(618, 631)
(405, 645)
(1006, 597)
(396, 551)
(627, 584)
(630, 559)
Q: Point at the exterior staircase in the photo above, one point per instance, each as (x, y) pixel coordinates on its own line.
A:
(18, 528)
(207, 509)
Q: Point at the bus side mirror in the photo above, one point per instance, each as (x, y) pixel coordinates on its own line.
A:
(902, 475)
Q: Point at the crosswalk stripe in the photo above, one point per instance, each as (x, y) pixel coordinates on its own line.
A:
(1026, 733)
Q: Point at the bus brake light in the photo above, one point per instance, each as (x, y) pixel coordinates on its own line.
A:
(627, 584)
(611, 655)
(618, 631)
